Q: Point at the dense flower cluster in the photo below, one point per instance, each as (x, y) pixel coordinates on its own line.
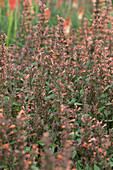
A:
(56, 92)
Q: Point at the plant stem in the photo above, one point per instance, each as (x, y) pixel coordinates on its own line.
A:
(0, 14)
(9, 27)
(15, 20)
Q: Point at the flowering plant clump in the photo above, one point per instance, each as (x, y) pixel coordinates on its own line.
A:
(56, 90)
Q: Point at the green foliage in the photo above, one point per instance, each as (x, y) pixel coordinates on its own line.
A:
(56, 89)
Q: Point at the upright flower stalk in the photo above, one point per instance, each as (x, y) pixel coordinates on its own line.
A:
(67, 25)
(80, 13)
(59, 3)
(75, 4)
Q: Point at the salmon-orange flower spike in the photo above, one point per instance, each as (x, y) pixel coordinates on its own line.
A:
(82, 130)
(80, 13)
(75, 4)
(72, 120)
(100, 150)
(12, 126)
(67, 24)
(6, 145)
(22, 112)
(59, 156)
(1, 3)
(104, 153)
(107, 159)
(84, 144)
(63, 126)
(27, 156)
(62, 117)
(47, 13)
(11, 133)
(1, 115)
(12, 4)
(59, 3)
(34, 146)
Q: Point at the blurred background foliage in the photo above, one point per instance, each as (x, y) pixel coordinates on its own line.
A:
(11, 11)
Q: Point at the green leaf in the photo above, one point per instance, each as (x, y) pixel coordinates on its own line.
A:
(88, 167)
(70, 88)
(108, 121)
(31, 98)
(34, 167)
(78, 139)
(107, 87)
(53, 147)
(45, 74)
(27, 149)
(74, 76)
(87, 79)
(79, 104)
(107, 104)
(40, 143)
(33, 64)
(101, 108)
(6, 98)
(78, 79)
(32, 81)
(81, 92)
(50, 91)
(74, 154)
(13, 142)
(3, 166)
(27, 97)
(107, 112)
(16, 104)
(49, 97)
(19, 89)
(103, 95)
(111, 163)
(48, 83)
(96, 167)
(79, 168)
(77, 133)
(26, 91)
(25, 69)
(56, 87)
(72, 101)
